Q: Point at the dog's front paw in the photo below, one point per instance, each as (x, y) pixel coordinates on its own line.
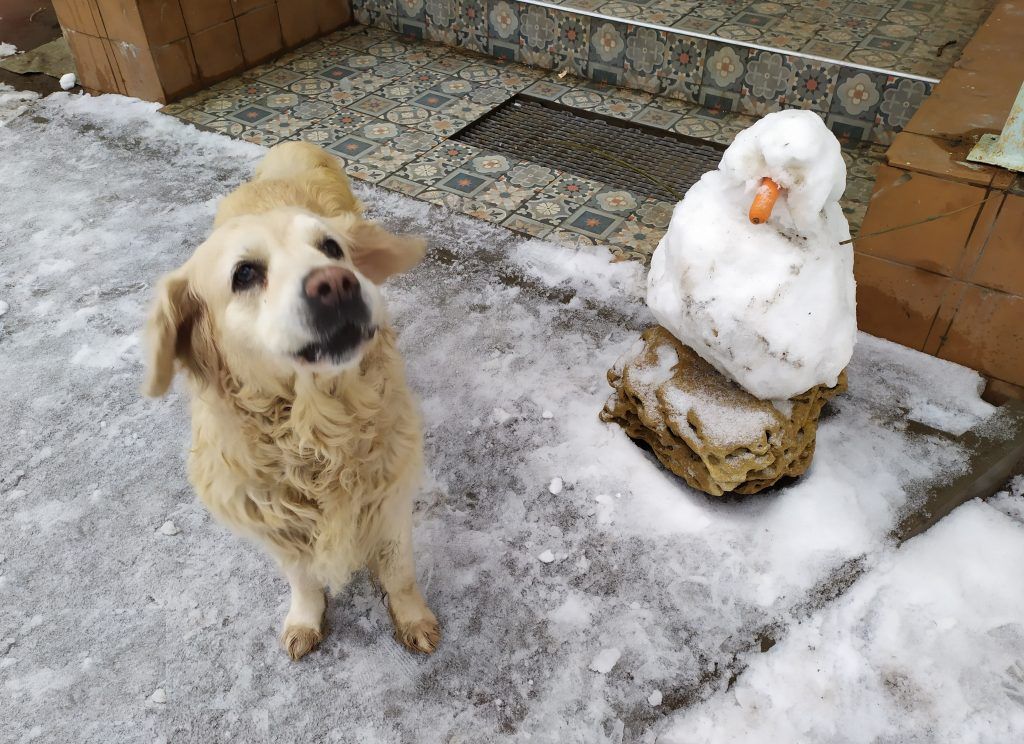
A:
(299, 640)
(422, 636)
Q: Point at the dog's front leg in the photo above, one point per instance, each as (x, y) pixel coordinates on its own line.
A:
(303, 625)
(415, 625)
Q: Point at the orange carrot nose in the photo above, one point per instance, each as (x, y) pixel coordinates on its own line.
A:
(764, 201)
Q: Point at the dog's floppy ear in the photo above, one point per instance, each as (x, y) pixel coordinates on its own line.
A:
(379, 254)
(169, 331)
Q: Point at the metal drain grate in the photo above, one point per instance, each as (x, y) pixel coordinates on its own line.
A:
(614, 152)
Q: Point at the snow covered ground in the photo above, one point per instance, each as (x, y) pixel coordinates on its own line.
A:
(585, 595)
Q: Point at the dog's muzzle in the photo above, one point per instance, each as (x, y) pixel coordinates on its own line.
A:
(339, 316)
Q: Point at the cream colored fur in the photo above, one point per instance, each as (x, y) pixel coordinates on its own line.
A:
(318, 465)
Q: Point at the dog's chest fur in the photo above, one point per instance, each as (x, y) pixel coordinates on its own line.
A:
(311, 473)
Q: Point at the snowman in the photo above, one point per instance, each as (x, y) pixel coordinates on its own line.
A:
(754, 274)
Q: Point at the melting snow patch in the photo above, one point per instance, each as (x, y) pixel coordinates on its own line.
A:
(7, 50)
(605, 660)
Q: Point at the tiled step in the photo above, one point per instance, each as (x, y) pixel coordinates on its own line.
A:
(829, 56)
(389, 107)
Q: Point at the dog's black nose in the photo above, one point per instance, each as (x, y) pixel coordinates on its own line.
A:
(331, 286)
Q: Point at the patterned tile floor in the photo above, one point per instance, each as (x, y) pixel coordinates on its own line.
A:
(921, 37)
(387, 106)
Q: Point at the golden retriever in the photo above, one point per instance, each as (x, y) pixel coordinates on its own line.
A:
(304, 433)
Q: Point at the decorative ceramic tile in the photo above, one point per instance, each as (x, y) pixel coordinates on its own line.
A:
(812, 84)
(644, 58)
(724, 67)
(573, 189)
(592, 222)
(531, 175)
(373, 105)
(464, 183)
(684, 68)
(503, 194)
(549, 210)
(634, 240)
(652, 116)
(607, 50)
(655, 213)
(441, 124)
(402, 186)
(546, 90)
(901, 97)
(525, 225)
(766, 83)
(415, 141)
(858, 94)
(615, 200)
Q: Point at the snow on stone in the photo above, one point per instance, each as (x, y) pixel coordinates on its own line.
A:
(555, 486)
(927, 647)
(770, 305)
(169, 528)
(68, 81)
(674, 580)
(7, 49)
(605, 660)
(546, 557)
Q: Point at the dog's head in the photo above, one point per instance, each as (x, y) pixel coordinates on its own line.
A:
(273, 294)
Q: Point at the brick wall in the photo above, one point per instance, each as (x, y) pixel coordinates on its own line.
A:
(159, 50)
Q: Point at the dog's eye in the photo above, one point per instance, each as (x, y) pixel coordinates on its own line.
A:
(330, 248)
(246, 276)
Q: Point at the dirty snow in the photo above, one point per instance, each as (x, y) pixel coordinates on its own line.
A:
(100, 614)
(13, 102)
(771, 306)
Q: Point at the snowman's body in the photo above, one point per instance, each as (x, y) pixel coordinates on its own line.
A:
(772, 306)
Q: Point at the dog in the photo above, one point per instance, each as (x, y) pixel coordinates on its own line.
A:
(305, 435)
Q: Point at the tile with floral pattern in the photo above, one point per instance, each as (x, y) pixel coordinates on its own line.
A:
(644, 58)
(652, 116)
(548, 209)
(592, 221)
(571, 238)
(573, 189)
(522, 224)
(531, 175)
(635, 240)
(607, 50)
(402, 185)
(812, 84)
(441, 124)
(373, 105)
(504, 194)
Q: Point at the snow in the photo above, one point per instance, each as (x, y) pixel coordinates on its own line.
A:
(605, 661)
(13, 102)
(675, 581)
(928, 647)
(771, 306)
(169, 528)
(546, 557)
(68, 81)
(654, 699)
(7, 50)
(555, 486)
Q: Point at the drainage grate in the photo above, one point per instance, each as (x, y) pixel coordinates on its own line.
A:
(614, 152)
